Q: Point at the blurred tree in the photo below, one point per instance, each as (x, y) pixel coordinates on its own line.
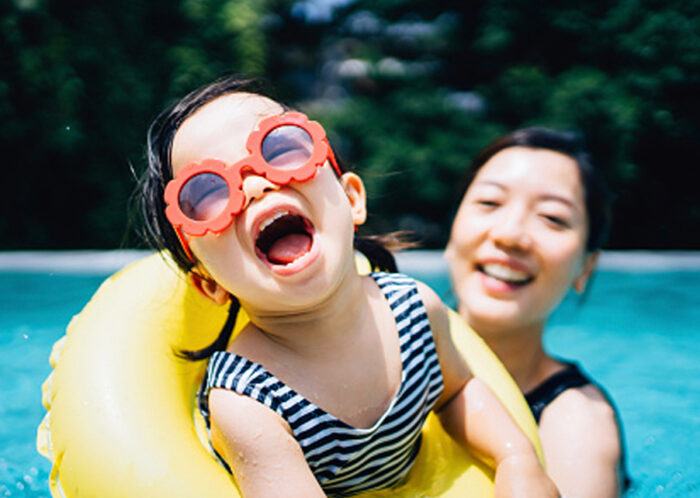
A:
(409, 90)
(439, 80)
(80, 82)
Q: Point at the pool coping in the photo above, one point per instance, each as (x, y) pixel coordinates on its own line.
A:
(106, 262)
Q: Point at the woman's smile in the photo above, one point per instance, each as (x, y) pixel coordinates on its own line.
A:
(510, 261)
(500, 278)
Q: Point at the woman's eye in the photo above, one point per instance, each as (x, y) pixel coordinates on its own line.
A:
(488, 203)
(556, 220)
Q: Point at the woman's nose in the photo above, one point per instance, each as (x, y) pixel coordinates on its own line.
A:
(255, 186)
(510, 230)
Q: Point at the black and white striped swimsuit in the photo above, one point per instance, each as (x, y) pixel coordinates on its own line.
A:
(347, 460)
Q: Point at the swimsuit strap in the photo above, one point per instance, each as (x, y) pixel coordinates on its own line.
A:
(541, 396)
(569, 378)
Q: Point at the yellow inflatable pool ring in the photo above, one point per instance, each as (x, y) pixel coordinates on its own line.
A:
(120, 416)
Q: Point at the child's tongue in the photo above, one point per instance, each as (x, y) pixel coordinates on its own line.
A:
(288, 248)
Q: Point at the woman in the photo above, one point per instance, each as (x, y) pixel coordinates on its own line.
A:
(530, 226)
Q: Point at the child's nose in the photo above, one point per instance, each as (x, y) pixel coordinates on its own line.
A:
(255, 186)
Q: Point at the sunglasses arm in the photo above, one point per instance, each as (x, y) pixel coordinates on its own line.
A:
(331, 158)
(184, 244)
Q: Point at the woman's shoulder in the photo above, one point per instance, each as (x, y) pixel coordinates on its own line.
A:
(577, 406)
(582, 406)
(579, 428)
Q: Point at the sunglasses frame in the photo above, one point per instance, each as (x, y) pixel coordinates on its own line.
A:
(233, 175)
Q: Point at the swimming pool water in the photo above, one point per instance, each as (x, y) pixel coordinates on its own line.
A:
(636, 333)
(34, 311)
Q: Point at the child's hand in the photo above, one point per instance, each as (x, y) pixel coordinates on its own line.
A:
(476, 419)
(521, 476)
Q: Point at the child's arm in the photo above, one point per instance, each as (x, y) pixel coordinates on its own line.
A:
(258, 445)
(474, 417)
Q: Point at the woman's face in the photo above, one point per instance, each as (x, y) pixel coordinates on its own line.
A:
(518, 240)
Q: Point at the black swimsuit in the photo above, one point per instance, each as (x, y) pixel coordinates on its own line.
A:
(544, 394)
(569, 378)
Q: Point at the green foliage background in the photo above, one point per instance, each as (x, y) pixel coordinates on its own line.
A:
(408, 90)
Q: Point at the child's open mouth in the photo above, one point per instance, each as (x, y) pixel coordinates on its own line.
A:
(284, 238)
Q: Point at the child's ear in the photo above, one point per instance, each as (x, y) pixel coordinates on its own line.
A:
(355, 190)
(588, 267)
(209, 289)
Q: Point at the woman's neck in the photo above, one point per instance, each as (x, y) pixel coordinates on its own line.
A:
(521, 352)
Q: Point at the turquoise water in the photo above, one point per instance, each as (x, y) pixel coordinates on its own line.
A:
(34, 311)
(637, 334)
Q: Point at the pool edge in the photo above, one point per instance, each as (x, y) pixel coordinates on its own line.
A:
(109, 261)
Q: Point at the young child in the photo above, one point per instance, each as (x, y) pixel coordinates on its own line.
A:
(328, 386)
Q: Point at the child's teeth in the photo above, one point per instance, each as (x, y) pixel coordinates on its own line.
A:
(503, 272)
(271, 220)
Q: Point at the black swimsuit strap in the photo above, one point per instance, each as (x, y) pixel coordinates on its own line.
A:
(544, 394)
(568, 378)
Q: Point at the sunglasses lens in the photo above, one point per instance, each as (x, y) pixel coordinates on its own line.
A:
(203, 196)
(287, 147)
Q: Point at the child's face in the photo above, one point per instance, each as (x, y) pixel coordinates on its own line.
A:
(292, 244)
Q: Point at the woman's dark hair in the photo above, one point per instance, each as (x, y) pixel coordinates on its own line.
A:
(157, 230)
(596, 193)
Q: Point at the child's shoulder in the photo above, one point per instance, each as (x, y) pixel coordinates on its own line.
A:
(432, 302)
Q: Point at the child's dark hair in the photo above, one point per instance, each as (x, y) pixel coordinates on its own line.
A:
(596, 193)
(157, 230)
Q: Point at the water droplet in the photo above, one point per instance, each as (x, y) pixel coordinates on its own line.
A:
(20, 486)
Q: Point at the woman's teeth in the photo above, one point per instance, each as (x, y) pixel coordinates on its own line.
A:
(505, 273)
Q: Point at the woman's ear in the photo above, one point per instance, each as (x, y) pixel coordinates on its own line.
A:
(209, 289)
(355, 190)
(588, 267)
(449, 252)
